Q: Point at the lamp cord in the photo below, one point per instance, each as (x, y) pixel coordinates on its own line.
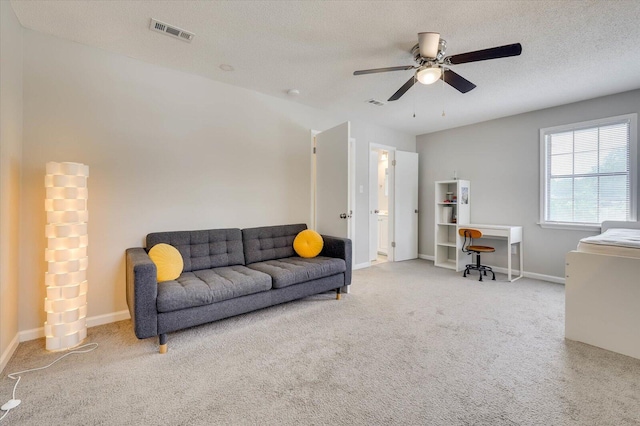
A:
(91, 346)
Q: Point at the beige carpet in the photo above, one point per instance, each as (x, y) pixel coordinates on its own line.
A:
(411, 345)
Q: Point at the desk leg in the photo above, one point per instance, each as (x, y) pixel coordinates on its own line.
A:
(509, 260)
(521, 269)
(521, 260)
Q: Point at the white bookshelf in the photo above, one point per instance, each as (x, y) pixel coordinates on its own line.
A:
(449, 215)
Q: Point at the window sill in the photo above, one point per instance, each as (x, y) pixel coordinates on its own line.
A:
(570, 226)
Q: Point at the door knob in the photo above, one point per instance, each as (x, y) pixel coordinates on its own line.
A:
(343, 216)
(376, 211)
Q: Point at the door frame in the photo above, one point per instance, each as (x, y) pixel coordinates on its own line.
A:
(392, 156)
(351, 191)
(374, 159)
(312, 191)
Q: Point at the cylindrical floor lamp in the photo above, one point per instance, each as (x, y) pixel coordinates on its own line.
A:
(66, 255)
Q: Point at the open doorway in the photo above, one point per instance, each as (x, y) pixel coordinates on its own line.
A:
(393, 204)
(380, 204)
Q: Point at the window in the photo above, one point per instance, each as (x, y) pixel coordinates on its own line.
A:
(588, 173)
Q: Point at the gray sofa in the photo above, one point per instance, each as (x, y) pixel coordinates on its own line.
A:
(228, 272)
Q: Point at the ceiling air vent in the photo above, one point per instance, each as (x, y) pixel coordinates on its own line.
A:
(171, 30)
(376, 102)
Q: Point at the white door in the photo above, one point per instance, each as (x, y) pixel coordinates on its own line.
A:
(333, 202)
(373, 205)
(406, 206)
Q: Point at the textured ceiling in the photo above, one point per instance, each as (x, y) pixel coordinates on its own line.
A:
(572, 50)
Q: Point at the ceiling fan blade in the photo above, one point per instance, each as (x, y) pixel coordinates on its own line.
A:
(401, 91)
(485, 54)
(375, 70)
(428, 43)
(458, 82)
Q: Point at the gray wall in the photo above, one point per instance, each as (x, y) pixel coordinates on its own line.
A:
(10, 158)
(501, 159)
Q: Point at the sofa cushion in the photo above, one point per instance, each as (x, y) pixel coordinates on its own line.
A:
(208, 286)
(203, 249)
(270, 242)
(296, 270)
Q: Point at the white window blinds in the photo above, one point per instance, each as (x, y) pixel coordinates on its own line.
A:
(587, 173)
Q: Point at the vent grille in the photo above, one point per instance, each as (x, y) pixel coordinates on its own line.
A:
(171, 30)
(376, 102)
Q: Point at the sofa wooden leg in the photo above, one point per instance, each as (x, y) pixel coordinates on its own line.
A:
(338, 295)
(163, 343)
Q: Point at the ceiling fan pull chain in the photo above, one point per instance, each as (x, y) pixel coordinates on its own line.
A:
(443, 98)
(414, 97)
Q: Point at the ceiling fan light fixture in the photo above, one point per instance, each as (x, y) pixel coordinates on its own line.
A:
(429, 75)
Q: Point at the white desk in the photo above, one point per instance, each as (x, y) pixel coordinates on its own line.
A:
(513, 234)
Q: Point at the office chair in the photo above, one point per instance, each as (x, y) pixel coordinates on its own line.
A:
(469, 235)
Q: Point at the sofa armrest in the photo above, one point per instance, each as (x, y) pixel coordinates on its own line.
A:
(142, 292)
(340, 248)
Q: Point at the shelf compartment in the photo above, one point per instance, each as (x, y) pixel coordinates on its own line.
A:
(448, 244)
(449, 264)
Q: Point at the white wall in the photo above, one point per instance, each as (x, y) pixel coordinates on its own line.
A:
(501, 159)
(366, 134)
(167, 151)
(10, 158)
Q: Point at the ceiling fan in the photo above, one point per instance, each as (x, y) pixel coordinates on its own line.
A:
(433, 65)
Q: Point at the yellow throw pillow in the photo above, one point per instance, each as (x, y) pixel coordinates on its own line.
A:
(168, 261)
(308, 243)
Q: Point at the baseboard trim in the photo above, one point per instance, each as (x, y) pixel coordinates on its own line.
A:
(37, 333)
(361, 265)
(32, 334)
(535, 276)
(8, 353)
(108, 318)
(550, 278)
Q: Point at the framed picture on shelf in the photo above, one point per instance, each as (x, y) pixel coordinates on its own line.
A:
(464, 195)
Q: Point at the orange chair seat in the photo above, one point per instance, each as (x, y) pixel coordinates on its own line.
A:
(482, 249)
